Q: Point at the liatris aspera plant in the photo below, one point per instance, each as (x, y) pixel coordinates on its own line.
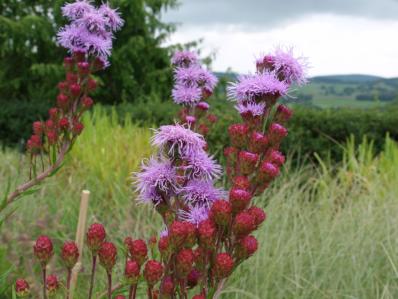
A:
(88, 38)
(208, 232)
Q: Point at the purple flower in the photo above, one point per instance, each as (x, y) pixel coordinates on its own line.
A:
(76, 10)
(201, 166)
(176, 139)
(201, 193)
(93, 22)
(186, 95)
(293, 70)
(195, 215)
(257, 87)
(157, 180)
(207, 80)
(164, 232)
(184, 59)
(112, 17)
(255, 109)
(196, 76)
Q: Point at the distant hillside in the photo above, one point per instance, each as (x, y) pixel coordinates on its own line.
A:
(354, 90)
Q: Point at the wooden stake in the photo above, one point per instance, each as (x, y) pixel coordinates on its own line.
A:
(81, 228)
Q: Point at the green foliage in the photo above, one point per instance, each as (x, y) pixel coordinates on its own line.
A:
(327, 225)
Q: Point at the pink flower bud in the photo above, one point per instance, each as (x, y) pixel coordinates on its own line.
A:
(200, 296)
(22, 288)
(244, 224)
(62, 86)
(247, 162)
(163, 246)
(258, 214)
(223, 265)
(283, 114)
(52, 137)
(193, 278)
(95, 237)
(83, 67)
(70, 254)
(71, 77)
(138, 251)
(38, 128)
(132, 271)
(64, 123)
(212, 118)
(75, 89)
(246, 247)
(43, 250)
(87, 102)
(275, 157)
(78, 127)
(34, 144)
(239, 199)
(238, 134)
(53, 113)
(203, 106)
(91, 84)
(231, 153)
(52, 284)
(276, 133)
(241, 182)
(184, 262)
(258, 142)
(221, 212)
(167, 286)
(62, 101)
(107, 255)
(68, 63)
(153, 272)
(268, 171)
(189, 119)
(206, 233)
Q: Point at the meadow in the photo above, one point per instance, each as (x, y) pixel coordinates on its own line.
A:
(331, 230)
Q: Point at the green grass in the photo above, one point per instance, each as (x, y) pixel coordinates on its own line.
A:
(331, 232)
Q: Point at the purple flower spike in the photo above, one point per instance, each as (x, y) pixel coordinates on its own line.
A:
(76, 10)
(293, 70)
(195, 215)
(176, 139)
(112, 17)
(255, 109)
(184, 59)
(158, 179)
(201, 193)
(201, 166)
(257, 87)
(186, 95)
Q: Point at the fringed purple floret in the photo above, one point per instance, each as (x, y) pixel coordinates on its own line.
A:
(195, 215)
(186, 95)
(201, 193)
(112, 17)
(201, 166)
(76, 10)
(293, 69)
(158, 179)
(255, 109)
(254, 87)
(176, 139)
(184, 59)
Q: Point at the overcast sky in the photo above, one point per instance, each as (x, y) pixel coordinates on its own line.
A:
(337, 36)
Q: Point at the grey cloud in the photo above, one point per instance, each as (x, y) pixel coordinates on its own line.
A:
(270, 12)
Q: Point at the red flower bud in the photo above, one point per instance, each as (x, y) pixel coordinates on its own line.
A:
(206, 233)
(283, 114)
(38, 128)
(184, 262)
(79, 55)
(120, 297)
(53, 112)
(247, 162)
(34, 144)
(71, 77)
(64, 123)
(138, 251)
(258, 142)
(43, 250)
(164, 246)
(231, 153)
(52, 284)
(221, 212)
(200, 296)
(276, 133)
(177, 233)
(244, 224)
(107, 255)
(223, 265)
(87, 102)
(95, 237)
(52, 137)
(212, 118)
(83, 67)
(91, 84)
(78, 127)
(239, 199)
(258, 214)
(22, 288)
(275, 157)
(268, 171)
(241, 182)
(68, 63)
(167, 286)
(75, 89)
(203, 106)
(132, 271)
(127, 241)
(62, 86)
(203, 129)
(200, 256)
(153, 272)
(193, 278)
(238, 134)
(246, 247)
(62, 101)
(70, 254)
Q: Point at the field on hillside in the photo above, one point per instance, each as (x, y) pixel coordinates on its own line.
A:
(331, 232)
